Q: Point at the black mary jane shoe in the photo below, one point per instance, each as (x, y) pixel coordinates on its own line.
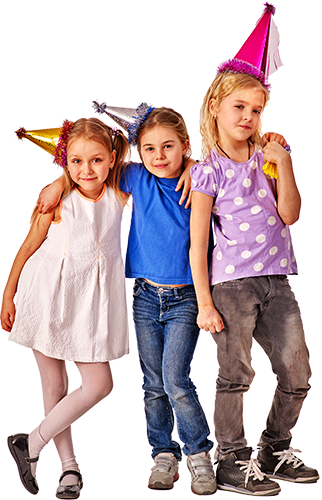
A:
(69, 491)
(18, 446)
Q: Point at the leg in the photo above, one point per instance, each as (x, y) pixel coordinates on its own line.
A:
(150, 339)
(181, 333)
(284, 343)
(54, 381)
(238, 303)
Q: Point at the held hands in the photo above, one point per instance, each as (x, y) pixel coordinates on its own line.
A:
(8, 312)
(210, 320)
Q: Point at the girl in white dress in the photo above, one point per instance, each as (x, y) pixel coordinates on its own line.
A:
(65, 296)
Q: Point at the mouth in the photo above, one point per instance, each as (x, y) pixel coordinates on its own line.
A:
(161, 165)
(88, 179)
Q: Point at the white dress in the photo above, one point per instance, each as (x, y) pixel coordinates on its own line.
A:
(71, 301)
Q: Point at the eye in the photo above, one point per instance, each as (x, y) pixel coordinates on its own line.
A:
(149, 149)
(168, 146)
(97, 160)
(257, 111)
(75, 160)
(239, 106)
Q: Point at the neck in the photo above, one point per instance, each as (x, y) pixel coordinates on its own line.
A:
(239, 152)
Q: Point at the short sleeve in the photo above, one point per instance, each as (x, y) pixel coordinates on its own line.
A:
(204, 179)
(130, 176)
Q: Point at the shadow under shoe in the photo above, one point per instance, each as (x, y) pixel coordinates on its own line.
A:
(18, 446)
(278, 461)
(164, 473)
(238, 472)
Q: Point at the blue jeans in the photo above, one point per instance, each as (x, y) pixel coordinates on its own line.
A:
(167, 333)
(263, 308)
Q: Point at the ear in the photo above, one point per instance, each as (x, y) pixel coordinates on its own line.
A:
(213, 106)
(185, 147)
(112, 159)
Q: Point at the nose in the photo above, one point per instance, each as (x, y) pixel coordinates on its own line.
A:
(159, 153)
(87, 167)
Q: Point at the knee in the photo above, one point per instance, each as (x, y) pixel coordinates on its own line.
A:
(56, 388)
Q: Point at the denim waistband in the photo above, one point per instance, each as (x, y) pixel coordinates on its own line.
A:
(167, 290)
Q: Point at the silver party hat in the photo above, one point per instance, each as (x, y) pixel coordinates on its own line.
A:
(130, 119)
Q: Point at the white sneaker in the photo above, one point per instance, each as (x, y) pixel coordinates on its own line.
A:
(203, 480)
(164, 472)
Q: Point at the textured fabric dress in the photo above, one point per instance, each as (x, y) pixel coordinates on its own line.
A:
(71, 301)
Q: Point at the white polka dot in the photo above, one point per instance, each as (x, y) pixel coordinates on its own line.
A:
(261, 238)
(293, 258)
(194, 183)
(271, 221)
(262, 193)
(231, 243)
(216, 165)
(283, 262)
(229, 269)
(253, 165)
(219, 256)
(273, 250)
(288, 245)
(258, 267)
(283, 233)
(229, 217)
(221, 193)
(246, 254)
(244, 226)
(215, 187)
(207, 170)
(230, 173)
(238, 201)
(255, 210)
(215, 209)
(247, 182)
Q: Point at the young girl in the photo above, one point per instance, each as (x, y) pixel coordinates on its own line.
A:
(70, 300)
(251, 296)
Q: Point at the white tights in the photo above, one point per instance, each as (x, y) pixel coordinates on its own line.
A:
(61, 410)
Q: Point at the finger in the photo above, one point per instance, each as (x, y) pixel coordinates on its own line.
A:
(188, 202)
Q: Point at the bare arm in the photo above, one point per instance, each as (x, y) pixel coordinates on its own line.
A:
(208, 317)
(288, 196)
(35, 238)
(49, 196)
(185, 182)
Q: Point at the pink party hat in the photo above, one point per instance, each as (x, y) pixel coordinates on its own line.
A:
(259, 56)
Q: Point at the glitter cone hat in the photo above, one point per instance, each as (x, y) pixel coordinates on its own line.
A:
(52, 140)
(130, 119)
(259, 56)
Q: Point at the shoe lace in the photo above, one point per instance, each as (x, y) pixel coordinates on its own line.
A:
(286, 456)
(251, 469)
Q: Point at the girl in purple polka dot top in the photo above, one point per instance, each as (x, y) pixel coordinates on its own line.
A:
(249, 296)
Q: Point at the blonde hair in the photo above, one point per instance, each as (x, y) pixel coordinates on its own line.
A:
(165, 117)
(223, 85)
(95, 130)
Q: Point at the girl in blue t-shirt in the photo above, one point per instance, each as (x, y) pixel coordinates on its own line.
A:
(164, 304)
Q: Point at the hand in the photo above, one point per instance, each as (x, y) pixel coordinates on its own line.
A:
(8, 312)
(275, 153)
(273, 137)
(49, 197)
(210, 320)
(184, 183)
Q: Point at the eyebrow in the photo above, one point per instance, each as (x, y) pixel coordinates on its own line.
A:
(164, 142)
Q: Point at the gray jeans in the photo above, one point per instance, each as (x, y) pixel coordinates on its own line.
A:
(264, 308)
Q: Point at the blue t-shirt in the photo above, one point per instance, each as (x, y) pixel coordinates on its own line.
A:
(159, 238)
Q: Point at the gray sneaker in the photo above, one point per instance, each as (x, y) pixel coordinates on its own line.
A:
(164, 472)
(242, 474)
(203, 481)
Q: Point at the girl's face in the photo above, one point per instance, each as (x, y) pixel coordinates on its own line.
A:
(89, 163)
(238, 115)
(162, 152)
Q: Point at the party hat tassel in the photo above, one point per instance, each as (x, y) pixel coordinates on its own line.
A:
(270, 169)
